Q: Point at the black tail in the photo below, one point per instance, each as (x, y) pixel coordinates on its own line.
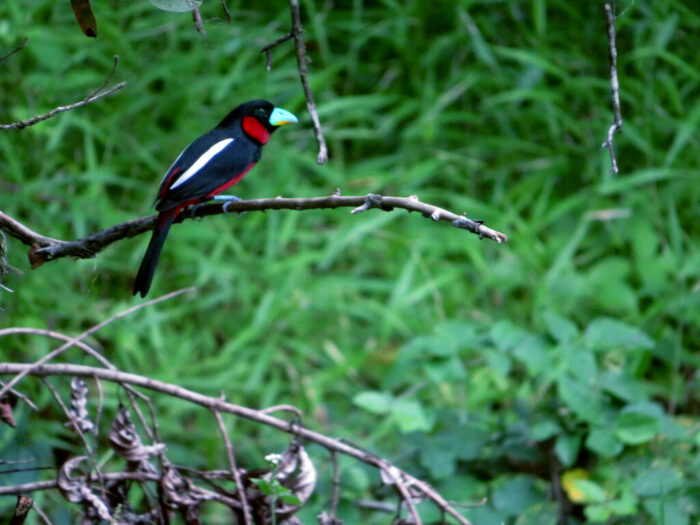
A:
(150, 260)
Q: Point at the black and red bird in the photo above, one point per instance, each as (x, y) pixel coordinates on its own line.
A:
(208, 166)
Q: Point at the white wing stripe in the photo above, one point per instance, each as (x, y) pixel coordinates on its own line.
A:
(201, 162)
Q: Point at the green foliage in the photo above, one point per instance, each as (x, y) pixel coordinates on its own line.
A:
(490, 370)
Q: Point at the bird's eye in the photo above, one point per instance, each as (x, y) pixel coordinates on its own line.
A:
(260, 112)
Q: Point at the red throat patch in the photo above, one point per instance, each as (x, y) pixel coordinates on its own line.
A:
(255, 130)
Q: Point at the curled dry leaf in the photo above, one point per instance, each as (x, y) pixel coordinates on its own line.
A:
(76, 490)
(6, 414)
(85, 17)
(127, 443)
(78, 402)
(296, 472)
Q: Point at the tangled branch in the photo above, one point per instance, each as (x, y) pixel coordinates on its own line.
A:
(408, 486)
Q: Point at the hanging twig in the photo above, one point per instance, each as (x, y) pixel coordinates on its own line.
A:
(614, 89)
(302, 60)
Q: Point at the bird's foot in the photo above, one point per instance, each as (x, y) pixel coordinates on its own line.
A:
(229, 199)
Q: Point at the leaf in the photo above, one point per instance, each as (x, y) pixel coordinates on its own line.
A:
(657, 482)
(583, 400)
(567, 448)
(544, 430)
(603, 442)
(410, 416)
(634, 428)
(85, 17)
(516, 495)
(6, 414)
(560, 328)
(176, 6)
(373, 401)
(606, 333)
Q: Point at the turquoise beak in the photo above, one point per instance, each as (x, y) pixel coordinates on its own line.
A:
(282, 117)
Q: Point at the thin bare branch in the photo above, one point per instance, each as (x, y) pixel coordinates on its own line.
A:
(15, 50)
(614, 89)
(268, 49)
(302, 60)
(60, 109)
(240, 489)
(336, 485)
(87, 332)
(244, 412)
(20, 395)
(198, 25)
(131, 393)
(227, 12)
(112, 476)
(47, 249)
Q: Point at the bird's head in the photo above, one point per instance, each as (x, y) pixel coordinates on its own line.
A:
(258, 118)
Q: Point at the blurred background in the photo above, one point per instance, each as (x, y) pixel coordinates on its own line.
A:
(555, 375)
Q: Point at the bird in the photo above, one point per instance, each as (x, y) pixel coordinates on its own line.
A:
(211, 164)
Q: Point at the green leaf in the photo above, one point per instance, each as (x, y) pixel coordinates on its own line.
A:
(591, 492)
(516, 495)
(634, 428)
(583, 400)
(373, 401)
(567, 448)
(657, 482)
(532, 351)
(539, 514)
(290, 498)
(505, 335)
(560, 328)
(544, 430)
(606, 333)
(603, 442)
(410, 416)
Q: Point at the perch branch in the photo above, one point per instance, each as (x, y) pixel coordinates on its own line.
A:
(47, 249)
(219, 405)
(297, 33)
(614, 89)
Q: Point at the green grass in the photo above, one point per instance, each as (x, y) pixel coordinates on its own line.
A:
(485, 369)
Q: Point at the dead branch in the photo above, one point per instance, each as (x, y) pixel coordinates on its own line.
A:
(24, 503)
(47, 249)
(401, 478)
(614, 89)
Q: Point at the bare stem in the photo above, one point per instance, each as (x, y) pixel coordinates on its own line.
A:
(614, 89)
